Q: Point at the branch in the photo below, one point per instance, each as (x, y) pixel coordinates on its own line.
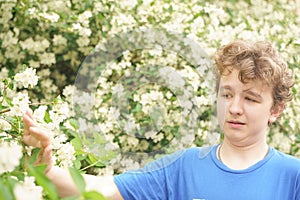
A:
(4, 110)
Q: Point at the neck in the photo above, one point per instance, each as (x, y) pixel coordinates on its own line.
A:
(241, 157)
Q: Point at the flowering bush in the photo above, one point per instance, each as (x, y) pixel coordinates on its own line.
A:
(117, 84)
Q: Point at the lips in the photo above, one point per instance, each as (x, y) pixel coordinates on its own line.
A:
(235, 123)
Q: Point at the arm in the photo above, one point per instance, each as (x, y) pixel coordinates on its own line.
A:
(37, 137)
(65, 186)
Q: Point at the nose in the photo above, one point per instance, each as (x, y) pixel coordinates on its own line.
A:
(235, 106)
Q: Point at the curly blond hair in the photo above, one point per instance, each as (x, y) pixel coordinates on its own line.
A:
(256, 61)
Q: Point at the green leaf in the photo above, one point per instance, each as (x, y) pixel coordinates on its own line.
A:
(78, 179)
(47, 117)
(74, 123)
(77, 164)
(71, 198)
(56, 100)
(8, 101)
(93, 195)
(93, 161)
(5, 192)
(11, 86)
(34, 155)
(92, 158)
(138, 108)
(43, 181)
(77, 143)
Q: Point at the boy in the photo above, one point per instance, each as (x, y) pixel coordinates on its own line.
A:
(253, 86)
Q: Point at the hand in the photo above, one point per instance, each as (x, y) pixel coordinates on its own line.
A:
(37, 137)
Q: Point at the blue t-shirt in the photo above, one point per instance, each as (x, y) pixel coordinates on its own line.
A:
(197, 174)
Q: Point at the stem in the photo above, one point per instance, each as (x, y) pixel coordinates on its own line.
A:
(91, 165)
(12, 126)
(4, 93)
(4, 110)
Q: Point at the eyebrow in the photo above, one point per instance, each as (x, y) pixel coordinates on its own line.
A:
(247, 91)
(255, 94)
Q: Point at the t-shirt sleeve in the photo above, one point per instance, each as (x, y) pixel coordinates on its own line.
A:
(157, 180)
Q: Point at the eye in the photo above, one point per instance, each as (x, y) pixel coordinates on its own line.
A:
(226, 95)
(250, 99)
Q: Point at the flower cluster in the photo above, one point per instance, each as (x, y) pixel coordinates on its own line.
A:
(28, 190)
(19, 182)
(11, 153)
(27, 78)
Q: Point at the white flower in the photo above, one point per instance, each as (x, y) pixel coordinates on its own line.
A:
(39, 113)
(35, 46)
(129, 164)
(47, 58)
(21, 104)
(129, 4)
(113, 114)
(132, 141)
(66, 155)
(4, 73)
(9, 39)
(188, 139)
(58, 141)
(26, 79)
(4, 125)
(130, 125)
(44, 73)
(2, 86)
(59, 40)
(34, 64)
(53, 17)
(11, 153)
(69, 91)
(83, 41)
(83, 17)
(172, 78)
(150, 134)
(28, 190)
(59, 112)
(158, 137)
(168, 95)
(85, 32)
(118, 89)
(32, 11)
(64, 109)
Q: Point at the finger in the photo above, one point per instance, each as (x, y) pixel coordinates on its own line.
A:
(29, 113)
(32, 141)
(48, 169)
(28, 122)
(45, 157)
(41, 136)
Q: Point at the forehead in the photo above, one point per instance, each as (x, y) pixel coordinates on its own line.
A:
(231, 81)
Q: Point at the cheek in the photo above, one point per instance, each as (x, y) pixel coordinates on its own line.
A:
(221, 110)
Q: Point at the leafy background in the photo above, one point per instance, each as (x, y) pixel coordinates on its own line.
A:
(49, 41)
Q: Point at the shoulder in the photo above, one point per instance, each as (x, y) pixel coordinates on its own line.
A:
(286, 157)
(286, 160)
(174, 160)
(200, 152)
(195, 155)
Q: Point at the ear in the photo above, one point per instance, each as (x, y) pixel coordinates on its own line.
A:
(276, 112)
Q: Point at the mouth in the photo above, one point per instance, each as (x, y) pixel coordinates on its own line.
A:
(234, 122)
